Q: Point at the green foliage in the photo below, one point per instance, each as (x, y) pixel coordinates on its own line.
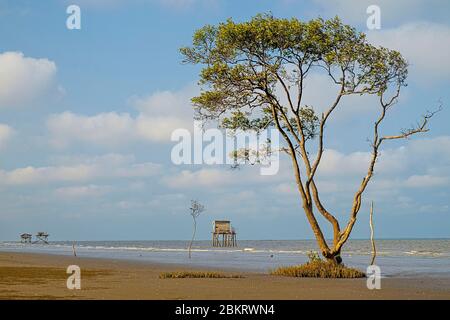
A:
(318, 269)
(313, 256)
(248, 66)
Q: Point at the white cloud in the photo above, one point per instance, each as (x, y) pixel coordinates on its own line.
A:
(159, 114)
(105, 128)
(97, 4)
(110, 129)
(335, 163)
(426, 181)
(161, 200)
(320, 92)
(166, 103)
(421, 155)
(202, 178)
(429, 155)
(426, 46)
(24, 79)
(82, 191)
(159, 129)
(164, 111)
(170, 4)
(178, 3)
(427, 208)
(354, 11)
(5, 134)
(421, 163)
(33, 175)
(104, 167)
(286, 188)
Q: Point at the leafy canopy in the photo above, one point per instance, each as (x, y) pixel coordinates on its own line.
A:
(254, 71)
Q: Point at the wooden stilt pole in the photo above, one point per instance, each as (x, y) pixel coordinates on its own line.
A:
(374, 249)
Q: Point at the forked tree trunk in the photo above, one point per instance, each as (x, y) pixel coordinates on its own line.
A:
(333, 257)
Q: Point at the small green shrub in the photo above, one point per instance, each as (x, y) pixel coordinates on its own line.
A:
(318, 268)
(313, 256)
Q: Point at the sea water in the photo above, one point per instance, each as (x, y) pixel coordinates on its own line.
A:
(396, 258)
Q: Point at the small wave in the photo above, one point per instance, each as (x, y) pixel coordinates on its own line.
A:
(250, 250)
(424, 253)
(152, 249)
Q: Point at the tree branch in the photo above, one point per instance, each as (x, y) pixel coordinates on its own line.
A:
(375, 147)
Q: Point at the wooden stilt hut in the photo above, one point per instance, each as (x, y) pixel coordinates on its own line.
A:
(25, 238)
(42, 237)
(223, 234)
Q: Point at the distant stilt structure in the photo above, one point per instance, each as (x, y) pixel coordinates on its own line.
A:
(223, 234)
(42, 237)
(25, 238)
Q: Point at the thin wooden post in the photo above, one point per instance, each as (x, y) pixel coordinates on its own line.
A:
(374, 249)
(73, 249)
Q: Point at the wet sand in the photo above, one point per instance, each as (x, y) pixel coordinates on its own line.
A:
(42, 276)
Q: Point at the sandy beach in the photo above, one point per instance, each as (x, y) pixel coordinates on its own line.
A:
(42, 276)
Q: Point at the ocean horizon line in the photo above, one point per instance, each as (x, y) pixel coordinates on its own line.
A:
(197, 240)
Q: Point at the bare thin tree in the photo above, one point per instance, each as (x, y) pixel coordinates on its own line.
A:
(195, 210)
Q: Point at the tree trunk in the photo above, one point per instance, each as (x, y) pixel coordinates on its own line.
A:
(193, 236)
(334, 258)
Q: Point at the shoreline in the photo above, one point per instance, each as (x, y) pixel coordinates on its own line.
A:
(43, 276)
(404, 259)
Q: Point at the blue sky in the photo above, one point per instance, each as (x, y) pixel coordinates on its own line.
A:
(86, 117)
